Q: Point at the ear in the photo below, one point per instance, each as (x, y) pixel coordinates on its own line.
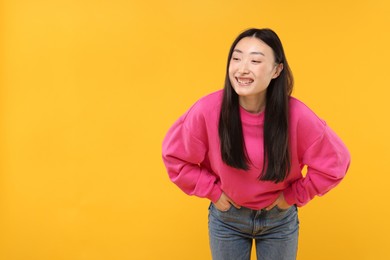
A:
(278, 70)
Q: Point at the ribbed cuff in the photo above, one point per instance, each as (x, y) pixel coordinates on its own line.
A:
(289, 196)
(215, 194)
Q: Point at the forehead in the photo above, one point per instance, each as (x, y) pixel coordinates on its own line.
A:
(249, 45)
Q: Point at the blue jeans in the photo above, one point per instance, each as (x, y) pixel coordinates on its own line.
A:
(275, 232)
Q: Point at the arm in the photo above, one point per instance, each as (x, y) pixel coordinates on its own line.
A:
(183, 154)
(327, 161)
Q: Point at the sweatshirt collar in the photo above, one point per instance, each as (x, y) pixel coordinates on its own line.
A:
(251, 118)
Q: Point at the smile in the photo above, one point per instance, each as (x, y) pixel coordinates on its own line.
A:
(244, 81)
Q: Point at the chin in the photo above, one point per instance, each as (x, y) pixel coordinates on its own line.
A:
(242, 91)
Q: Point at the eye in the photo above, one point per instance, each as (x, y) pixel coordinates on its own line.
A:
(256, 61)
(235, 59)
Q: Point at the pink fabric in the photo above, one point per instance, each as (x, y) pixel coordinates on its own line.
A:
(191, 153)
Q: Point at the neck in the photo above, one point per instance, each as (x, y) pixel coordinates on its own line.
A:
(252, 104)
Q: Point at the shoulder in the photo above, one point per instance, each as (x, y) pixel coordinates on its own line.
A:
(210, 101)
(207, 105)
(301, 113)
(304, 123)
(204, 112)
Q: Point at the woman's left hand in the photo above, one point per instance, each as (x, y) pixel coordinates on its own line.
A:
(280, 202)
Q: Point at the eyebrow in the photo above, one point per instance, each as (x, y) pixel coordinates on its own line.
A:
(253, 52)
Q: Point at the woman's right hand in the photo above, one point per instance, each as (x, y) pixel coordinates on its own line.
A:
(224, 203)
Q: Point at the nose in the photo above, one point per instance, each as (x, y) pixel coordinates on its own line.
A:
(243, 68)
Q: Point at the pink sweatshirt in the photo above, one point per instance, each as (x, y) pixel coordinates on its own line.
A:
(191, 153)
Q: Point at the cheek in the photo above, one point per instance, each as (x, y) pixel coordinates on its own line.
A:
(231, 78)
(231, 68)
(231, 71)
(264, 71)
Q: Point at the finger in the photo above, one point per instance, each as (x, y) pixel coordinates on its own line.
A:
(272, 205)
(222, 206)
(226, 206)
(234, 204)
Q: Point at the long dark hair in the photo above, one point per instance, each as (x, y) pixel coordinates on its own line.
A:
(277, 162)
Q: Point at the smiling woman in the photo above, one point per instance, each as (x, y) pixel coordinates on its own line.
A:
(244, 148)
(251, 69)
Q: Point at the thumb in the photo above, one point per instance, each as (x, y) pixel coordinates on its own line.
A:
(272, 205)
(234, 204)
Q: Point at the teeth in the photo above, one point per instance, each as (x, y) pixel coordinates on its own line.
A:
(244, 81)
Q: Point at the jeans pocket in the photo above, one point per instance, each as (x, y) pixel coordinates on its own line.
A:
(277, 213)
(280, 209)
(212, 206)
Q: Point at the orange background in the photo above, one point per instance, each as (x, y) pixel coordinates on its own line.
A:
(89, 89)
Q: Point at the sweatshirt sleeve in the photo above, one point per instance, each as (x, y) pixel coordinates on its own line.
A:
(327, 160)
(184, 150)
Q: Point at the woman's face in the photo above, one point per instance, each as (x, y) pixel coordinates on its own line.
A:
(252, 67)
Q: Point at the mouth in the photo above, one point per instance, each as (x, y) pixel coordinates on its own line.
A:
(244, 81)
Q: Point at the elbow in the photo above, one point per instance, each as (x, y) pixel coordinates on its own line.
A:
(346, 162)
(343, 165)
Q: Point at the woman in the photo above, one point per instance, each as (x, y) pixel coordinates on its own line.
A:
(244, 148)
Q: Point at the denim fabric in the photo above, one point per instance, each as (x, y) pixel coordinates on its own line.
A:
(275, 232)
